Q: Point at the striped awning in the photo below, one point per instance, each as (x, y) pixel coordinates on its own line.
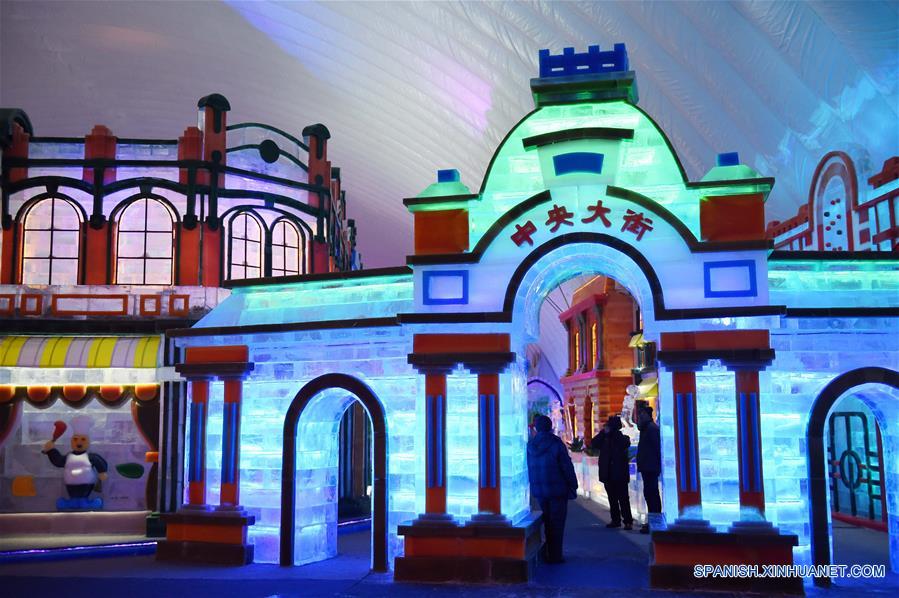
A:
(79, 351)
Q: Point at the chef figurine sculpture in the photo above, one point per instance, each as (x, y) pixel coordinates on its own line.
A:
(83, 470)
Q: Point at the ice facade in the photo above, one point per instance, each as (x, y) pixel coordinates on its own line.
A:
(810, 352)
(284, 364)
(498, 253)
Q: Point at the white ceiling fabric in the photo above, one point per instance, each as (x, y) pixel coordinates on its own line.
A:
(407, 88)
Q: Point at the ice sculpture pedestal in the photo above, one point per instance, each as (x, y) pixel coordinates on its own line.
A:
(476, 552)
(678, 549)
(206, 536)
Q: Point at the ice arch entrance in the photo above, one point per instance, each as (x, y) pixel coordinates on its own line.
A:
(310, 463)
(595, 381)
(575, 254)
(878, 388)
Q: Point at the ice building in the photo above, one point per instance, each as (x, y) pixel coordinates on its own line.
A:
(107, 243)
(754, 346)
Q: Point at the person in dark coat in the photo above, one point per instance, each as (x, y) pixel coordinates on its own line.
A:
(649, 461)
(553, 484)
(614, 472)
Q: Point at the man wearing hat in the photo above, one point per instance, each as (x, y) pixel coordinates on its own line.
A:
(82, 469)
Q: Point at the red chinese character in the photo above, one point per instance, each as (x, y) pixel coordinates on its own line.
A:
(636, 223)
(598, 212)
(559, 216)
(523, 234)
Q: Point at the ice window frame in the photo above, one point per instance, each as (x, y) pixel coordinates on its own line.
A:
(54, 231)
(238, 237)
(123, 264)
(283, 247)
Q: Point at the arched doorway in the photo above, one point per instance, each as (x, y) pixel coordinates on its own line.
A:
(614, 293)
(312, 400)
(543, 398)
(879, 389)
(576, 254)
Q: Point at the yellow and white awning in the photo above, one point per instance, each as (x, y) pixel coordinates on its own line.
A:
(79, 351)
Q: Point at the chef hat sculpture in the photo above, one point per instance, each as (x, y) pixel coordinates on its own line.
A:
(81, 425)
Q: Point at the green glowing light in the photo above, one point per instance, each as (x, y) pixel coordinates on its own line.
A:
(646, 162)
(834, 283)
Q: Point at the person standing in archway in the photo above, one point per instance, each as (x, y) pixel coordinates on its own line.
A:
(553, 483)
(614, 474)
(613, 471)
(649, 462)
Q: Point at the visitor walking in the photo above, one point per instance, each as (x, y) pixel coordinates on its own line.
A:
(553, 484)
(614, 472)
(649, 462)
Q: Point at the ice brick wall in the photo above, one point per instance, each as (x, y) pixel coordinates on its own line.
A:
(284, 363)
(810, 353)
(375, 297)
(825, 283)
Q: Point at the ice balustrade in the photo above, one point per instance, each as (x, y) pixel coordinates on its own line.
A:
(242, 134)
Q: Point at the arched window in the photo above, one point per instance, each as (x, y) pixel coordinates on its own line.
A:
(145, 243)
(287, 252)
(51, 243)
(246, 247)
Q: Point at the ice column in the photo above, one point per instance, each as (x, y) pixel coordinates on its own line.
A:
(435, 443)
(489, 486)
(686, 444)
(196, 471)
(230, 494)
(749, 445)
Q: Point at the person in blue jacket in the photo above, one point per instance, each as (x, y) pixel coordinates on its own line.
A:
(553, 484)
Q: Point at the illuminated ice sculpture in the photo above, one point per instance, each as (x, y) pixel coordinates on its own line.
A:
(752, 345)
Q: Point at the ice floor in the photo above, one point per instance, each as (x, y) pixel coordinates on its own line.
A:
(858, 545)
(610, 563)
